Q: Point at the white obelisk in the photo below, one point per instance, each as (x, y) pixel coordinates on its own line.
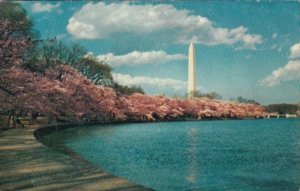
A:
(192, 71)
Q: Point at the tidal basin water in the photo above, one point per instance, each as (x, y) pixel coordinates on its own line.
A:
(196, 155)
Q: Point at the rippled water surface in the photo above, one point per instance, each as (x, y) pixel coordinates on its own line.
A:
(204, 155)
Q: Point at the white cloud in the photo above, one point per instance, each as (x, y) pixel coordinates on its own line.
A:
(60, 11)
(100, 20)
(61, 36)
(140, 58)
(275, 47)
(279, 49)
(44, 7)
(295, 51)
(129, 80)
(289, 72)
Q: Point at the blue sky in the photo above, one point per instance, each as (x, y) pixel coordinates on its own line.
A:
(244, 48)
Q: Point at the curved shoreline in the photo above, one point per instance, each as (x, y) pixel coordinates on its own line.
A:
(27, 164)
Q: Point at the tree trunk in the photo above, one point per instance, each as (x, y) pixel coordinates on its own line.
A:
(9, 118)
(14, 121)
(34, 116)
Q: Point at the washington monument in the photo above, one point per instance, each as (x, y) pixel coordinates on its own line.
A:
(192, 71)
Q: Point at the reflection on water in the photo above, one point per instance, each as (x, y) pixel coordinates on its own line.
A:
(192, 155)
(207, 155)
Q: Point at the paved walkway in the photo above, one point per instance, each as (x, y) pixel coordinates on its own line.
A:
(26, 164)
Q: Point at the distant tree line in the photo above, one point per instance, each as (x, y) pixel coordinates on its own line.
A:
(241, 99)
(126, 90)
(283, 108)
(209, 95)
